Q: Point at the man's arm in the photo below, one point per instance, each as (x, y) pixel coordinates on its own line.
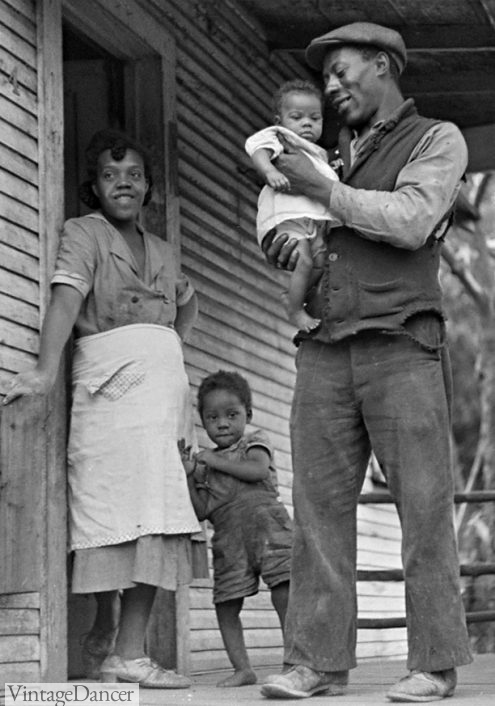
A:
(426, 189)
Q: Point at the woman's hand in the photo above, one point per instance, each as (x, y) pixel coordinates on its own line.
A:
(31, 382)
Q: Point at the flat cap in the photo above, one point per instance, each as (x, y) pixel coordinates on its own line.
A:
(366, 33)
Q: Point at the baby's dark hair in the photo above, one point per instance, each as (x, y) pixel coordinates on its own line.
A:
(297, 85)
(118, 143)
(224, 380)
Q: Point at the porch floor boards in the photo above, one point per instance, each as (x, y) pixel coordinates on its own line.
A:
(368, 684)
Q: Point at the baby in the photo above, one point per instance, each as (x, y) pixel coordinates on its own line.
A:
(299, 122)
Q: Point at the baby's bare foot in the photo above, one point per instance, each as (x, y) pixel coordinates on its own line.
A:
(243, 677)
(304, 321)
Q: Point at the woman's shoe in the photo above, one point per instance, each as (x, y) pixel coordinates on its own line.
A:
(97, 645)
(144, 671)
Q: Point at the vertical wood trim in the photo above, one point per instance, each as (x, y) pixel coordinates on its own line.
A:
(170, 149)
(53, 609)
(183, 629)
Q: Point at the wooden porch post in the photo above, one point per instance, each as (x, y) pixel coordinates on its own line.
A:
(53, 605)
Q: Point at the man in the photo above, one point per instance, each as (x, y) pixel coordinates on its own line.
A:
(374, 375)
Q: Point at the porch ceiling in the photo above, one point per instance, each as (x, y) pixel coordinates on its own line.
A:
(451, 46)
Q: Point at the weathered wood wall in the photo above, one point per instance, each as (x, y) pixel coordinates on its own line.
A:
(19, 301)
(19, 203)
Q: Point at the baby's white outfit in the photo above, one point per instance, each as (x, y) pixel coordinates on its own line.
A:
(294, 215)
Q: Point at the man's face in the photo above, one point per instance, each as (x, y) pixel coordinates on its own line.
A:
(352, 86)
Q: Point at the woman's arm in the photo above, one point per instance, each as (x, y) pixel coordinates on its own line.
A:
(186, 316)
(60, 318)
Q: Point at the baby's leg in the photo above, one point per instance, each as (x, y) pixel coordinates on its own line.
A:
(230, 626)
(298, 287)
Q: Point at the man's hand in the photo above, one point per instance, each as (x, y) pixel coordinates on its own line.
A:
(282, 253)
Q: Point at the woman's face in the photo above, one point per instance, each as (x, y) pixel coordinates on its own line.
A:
(120, 186)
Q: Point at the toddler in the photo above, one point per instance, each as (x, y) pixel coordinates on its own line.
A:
(234, 486)
(299, 123)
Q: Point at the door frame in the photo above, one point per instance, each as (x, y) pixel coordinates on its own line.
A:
(130, 33)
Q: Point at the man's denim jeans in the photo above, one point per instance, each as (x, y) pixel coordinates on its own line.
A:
(388, 393)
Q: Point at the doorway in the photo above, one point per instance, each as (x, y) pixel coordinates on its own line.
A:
(102, 90)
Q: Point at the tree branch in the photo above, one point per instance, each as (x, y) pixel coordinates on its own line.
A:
(464, 274)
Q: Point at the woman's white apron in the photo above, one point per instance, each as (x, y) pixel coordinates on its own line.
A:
(131, 405)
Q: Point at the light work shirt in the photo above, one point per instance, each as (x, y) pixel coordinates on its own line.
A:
(426, 189)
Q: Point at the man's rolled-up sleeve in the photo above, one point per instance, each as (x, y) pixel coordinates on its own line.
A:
(426, 189)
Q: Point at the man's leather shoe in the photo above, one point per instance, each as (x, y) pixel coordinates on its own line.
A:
(301, 681)
(420, 687)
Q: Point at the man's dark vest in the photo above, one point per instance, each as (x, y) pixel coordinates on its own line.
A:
(368, 284)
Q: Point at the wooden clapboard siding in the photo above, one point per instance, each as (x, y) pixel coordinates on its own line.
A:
(19, 197)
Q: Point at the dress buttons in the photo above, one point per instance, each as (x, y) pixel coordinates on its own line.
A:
(134, 299)
(333, 256)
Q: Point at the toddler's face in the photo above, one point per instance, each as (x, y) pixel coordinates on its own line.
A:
(224, 417)
(301, 113)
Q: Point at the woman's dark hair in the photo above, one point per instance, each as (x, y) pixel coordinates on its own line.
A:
(118, 143)
(297, 85)
(223, 380)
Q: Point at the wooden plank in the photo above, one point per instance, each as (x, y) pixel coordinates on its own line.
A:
(17, 164)
(18, 141)
(19, 190)
(19, 262)
(23, 120)
(19, 648)
(23, 672)
(18, 47)
(19, 213)
(23, 289)
(22, 457)
(210, 660)
(19, 600)
(18, 337)
(16, 237)
(18, 22)
(19, 311)
(24, 7)
(19, 622)
(12, 90)
(14, 360)
(16, 72)
(53, 620)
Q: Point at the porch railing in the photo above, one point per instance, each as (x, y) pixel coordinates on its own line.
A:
(474, 569)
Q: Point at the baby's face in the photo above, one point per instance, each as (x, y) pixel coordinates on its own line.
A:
(301, 113)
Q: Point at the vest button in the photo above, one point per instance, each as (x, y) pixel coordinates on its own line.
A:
(333, 256)
(134, 299)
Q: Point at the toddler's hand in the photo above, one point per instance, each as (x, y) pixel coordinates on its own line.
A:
(185, 454)
(207, 457)
(277, 180)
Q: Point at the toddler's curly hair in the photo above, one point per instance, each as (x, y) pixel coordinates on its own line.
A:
(224, 380)
(118, 143)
